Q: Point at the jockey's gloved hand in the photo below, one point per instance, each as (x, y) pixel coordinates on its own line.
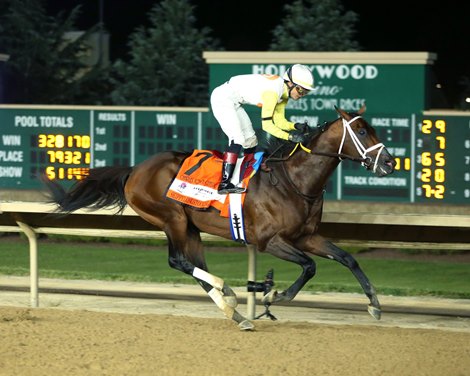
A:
(302, 127)
(297, 136)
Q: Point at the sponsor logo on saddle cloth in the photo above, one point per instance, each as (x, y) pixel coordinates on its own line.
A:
(199, 176)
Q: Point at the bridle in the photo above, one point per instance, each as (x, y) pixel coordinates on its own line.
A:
(365, 160)
(359, 147)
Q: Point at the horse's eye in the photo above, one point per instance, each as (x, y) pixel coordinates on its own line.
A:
(362, 131)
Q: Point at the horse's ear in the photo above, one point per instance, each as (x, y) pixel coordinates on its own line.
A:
(342, 113)
(362, 109)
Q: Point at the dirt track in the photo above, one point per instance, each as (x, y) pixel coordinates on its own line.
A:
(62, 342)
(68, 337)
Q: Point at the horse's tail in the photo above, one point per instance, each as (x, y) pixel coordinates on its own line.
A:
(103, 187)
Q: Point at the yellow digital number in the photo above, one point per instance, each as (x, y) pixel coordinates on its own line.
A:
(68, 157)
(50, 172)
(406, 164)
(441, 125)
(59, 156)
(442, 142)
(51, 155)
(51, 141)
(83, 142)
(86, 142)
(440, 159)
(70, 173)
(59, 141)
(426, 127)
(426, 175)
(440, 175)
(426, 158)
(398, 164)
(42, 140)
(430, 192)
(78, 173)
(427, 190)
(77, 157)
(439, 193)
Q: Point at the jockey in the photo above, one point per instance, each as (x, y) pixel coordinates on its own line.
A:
(269, 92)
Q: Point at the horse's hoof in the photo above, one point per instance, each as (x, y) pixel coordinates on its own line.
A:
(231, 301)
(246, 325)
(375, 312)
(269, 297)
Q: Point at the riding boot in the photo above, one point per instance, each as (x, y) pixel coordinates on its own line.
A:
(228, 166)
(247, 160)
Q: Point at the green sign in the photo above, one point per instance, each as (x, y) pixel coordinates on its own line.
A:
(432, 149)
(386, 82)
(64, 142)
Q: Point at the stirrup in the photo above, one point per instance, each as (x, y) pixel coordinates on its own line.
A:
(230, 188)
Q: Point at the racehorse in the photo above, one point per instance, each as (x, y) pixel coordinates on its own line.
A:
(282, 208)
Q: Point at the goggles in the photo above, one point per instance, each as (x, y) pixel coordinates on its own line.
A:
(302, 91)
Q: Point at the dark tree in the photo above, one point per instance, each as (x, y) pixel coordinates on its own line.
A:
(45, 66)
(315, 25)
(165, 66)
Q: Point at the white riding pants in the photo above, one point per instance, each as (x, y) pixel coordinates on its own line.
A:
(233, 119)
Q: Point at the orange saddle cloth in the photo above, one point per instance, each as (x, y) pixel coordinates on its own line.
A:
(198, 178)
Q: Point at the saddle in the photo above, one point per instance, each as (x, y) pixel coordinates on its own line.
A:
(199, 176)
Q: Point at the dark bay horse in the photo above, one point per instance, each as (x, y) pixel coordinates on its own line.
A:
(282, 210)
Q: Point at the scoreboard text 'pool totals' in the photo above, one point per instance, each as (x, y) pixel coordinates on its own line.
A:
(432, 151)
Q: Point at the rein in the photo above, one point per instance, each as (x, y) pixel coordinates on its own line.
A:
(309, 151)
(296, 190)
(335, 155)
(364, 159)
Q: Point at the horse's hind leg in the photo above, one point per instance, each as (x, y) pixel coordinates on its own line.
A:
(330, 251)
(279, 248)
(191, 261)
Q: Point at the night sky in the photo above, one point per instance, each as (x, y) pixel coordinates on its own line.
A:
(246, 26)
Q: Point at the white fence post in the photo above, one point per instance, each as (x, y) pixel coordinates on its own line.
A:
(33, 263)
(251, 298)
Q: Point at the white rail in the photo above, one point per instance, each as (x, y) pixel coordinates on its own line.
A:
(16, 209)
(33, 218)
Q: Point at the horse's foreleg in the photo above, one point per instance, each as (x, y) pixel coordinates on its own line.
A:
(279, 248)
(195, 255)
(330, 251)
(185, 253)
(217, 284)
(222, 295)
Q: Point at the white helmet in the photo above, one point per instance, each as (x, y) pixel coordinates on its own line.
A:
(299, 75)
